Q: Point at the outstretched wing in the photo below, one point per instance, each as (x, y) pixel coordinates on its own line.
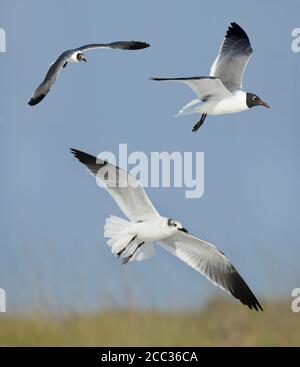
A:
(122, 45)
(233, 57)
(56, 67)
(122, 186)
(50, 78)
(208, 260)
(205, 87)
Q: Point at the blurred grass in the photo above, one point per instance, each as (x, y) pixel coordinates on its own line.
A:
(218, 323)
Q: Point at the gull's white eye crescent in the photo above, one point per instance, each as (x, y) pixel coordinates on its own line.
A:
(254, 98)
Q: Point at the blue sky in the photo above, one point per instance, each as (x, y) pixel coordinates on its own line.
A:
(52, 249)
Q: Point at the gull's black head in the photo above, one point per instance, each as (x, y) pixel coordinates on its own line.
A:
(253, 100)
(176, 225)
(80, 57)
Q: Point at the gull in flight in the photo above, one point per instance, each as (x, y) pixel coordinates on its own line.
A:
(76, 55)
(133, 239)
(221, 91)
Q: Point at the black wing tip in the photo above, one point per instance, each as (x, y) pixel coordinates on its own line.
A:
(240, 290)
(184, 78)
(252, 303)
(87, 159)
(157, 79)
(234, 30)
(75, 152)
(83, 157)
(129, 45)
(137, 45)
(34, 101)
(256, 306)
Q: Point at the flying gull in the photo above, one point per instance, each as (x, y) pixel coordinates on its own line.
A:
(220, 92)
(76, 55)
(133, 239)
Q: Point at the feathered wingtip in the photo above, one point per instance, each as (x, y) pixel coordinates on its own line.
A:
(129, 45)
(135, 45)
(83, 157)
(34, 101)
(234, 30)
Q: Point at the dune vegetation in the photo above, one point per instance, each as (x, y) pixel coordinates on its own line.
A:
(218, 323)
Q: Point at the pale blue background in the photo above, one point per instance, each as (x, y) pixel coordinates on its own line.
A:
(53, 253)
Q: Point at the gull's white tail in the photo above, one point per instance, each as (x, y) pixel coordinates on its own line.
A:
(123, 242)
(190, 107)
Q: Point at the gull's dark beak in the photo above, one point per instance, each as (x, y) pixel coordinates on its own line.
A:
(262, 103)
(84, 59)
(183, 230)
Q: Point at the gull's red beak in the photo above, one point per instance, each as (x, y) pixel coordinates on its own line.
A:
(262, 103)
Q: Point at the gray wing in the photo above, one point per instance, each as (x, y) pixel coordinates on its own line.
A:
(232, 59)
(56, 67)
(208, 260)
(50, 78)
(122, 45)
(205, 87)
(122, 186)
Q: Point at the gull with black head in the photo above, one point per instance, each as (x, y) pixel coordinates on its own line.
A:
(221, 92)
